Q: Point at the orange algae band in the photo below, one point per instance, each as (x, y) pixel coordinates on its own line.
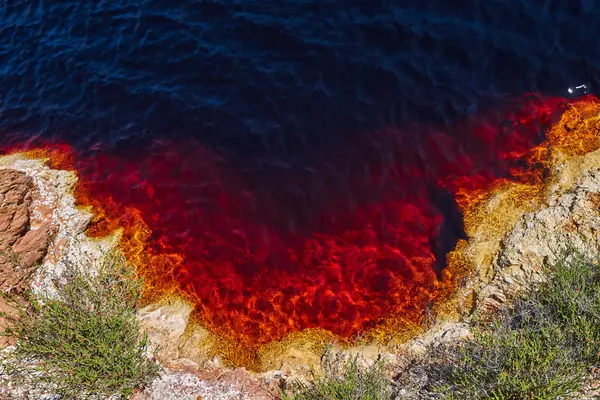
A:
(355, 259)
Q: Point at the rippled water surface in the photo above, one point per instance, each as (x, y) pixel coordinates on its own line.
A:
(278, 79)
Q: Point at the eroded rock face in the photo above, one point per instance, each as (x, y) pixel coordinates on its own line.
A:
(41, 229)
(568, 218)
(15, 200)
(21, 247)
(570, 221)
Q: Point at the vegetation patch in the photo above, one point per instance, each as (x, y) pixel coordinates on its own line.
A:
(542, 348)
(87, 342)
(342, 381)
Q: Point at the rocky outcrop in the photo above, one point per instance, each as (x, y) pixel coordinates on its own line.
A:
(55, 226)
(24, 239)
(41, 232)
(22, 246)
(569, 221)
(565, 217)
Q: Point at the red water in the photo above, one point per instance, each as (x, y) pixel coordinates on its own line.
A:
(341, 247)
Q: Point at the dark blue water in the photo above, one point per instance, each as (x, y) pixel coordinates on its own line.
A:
(272, 80)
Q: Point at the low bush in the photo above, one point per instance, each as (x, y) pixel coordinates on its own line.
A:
(87, 341)
(342, 381)
(542, 348)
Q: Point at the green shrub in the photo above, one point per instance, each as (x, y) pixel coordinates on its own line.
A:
(543, 348)
(343, 381)
(87, 341)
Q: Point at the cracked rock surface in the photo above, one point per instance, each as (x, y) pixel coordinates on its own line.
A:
(22, 244)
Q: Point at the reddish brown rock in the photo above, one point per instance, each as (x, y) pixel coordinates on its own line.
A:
(21, 248)
(15, 199)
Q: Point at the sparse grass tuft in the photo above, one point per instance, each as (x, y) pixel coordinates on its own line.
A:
(541, 349)
(87, 342)
(343, 381)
